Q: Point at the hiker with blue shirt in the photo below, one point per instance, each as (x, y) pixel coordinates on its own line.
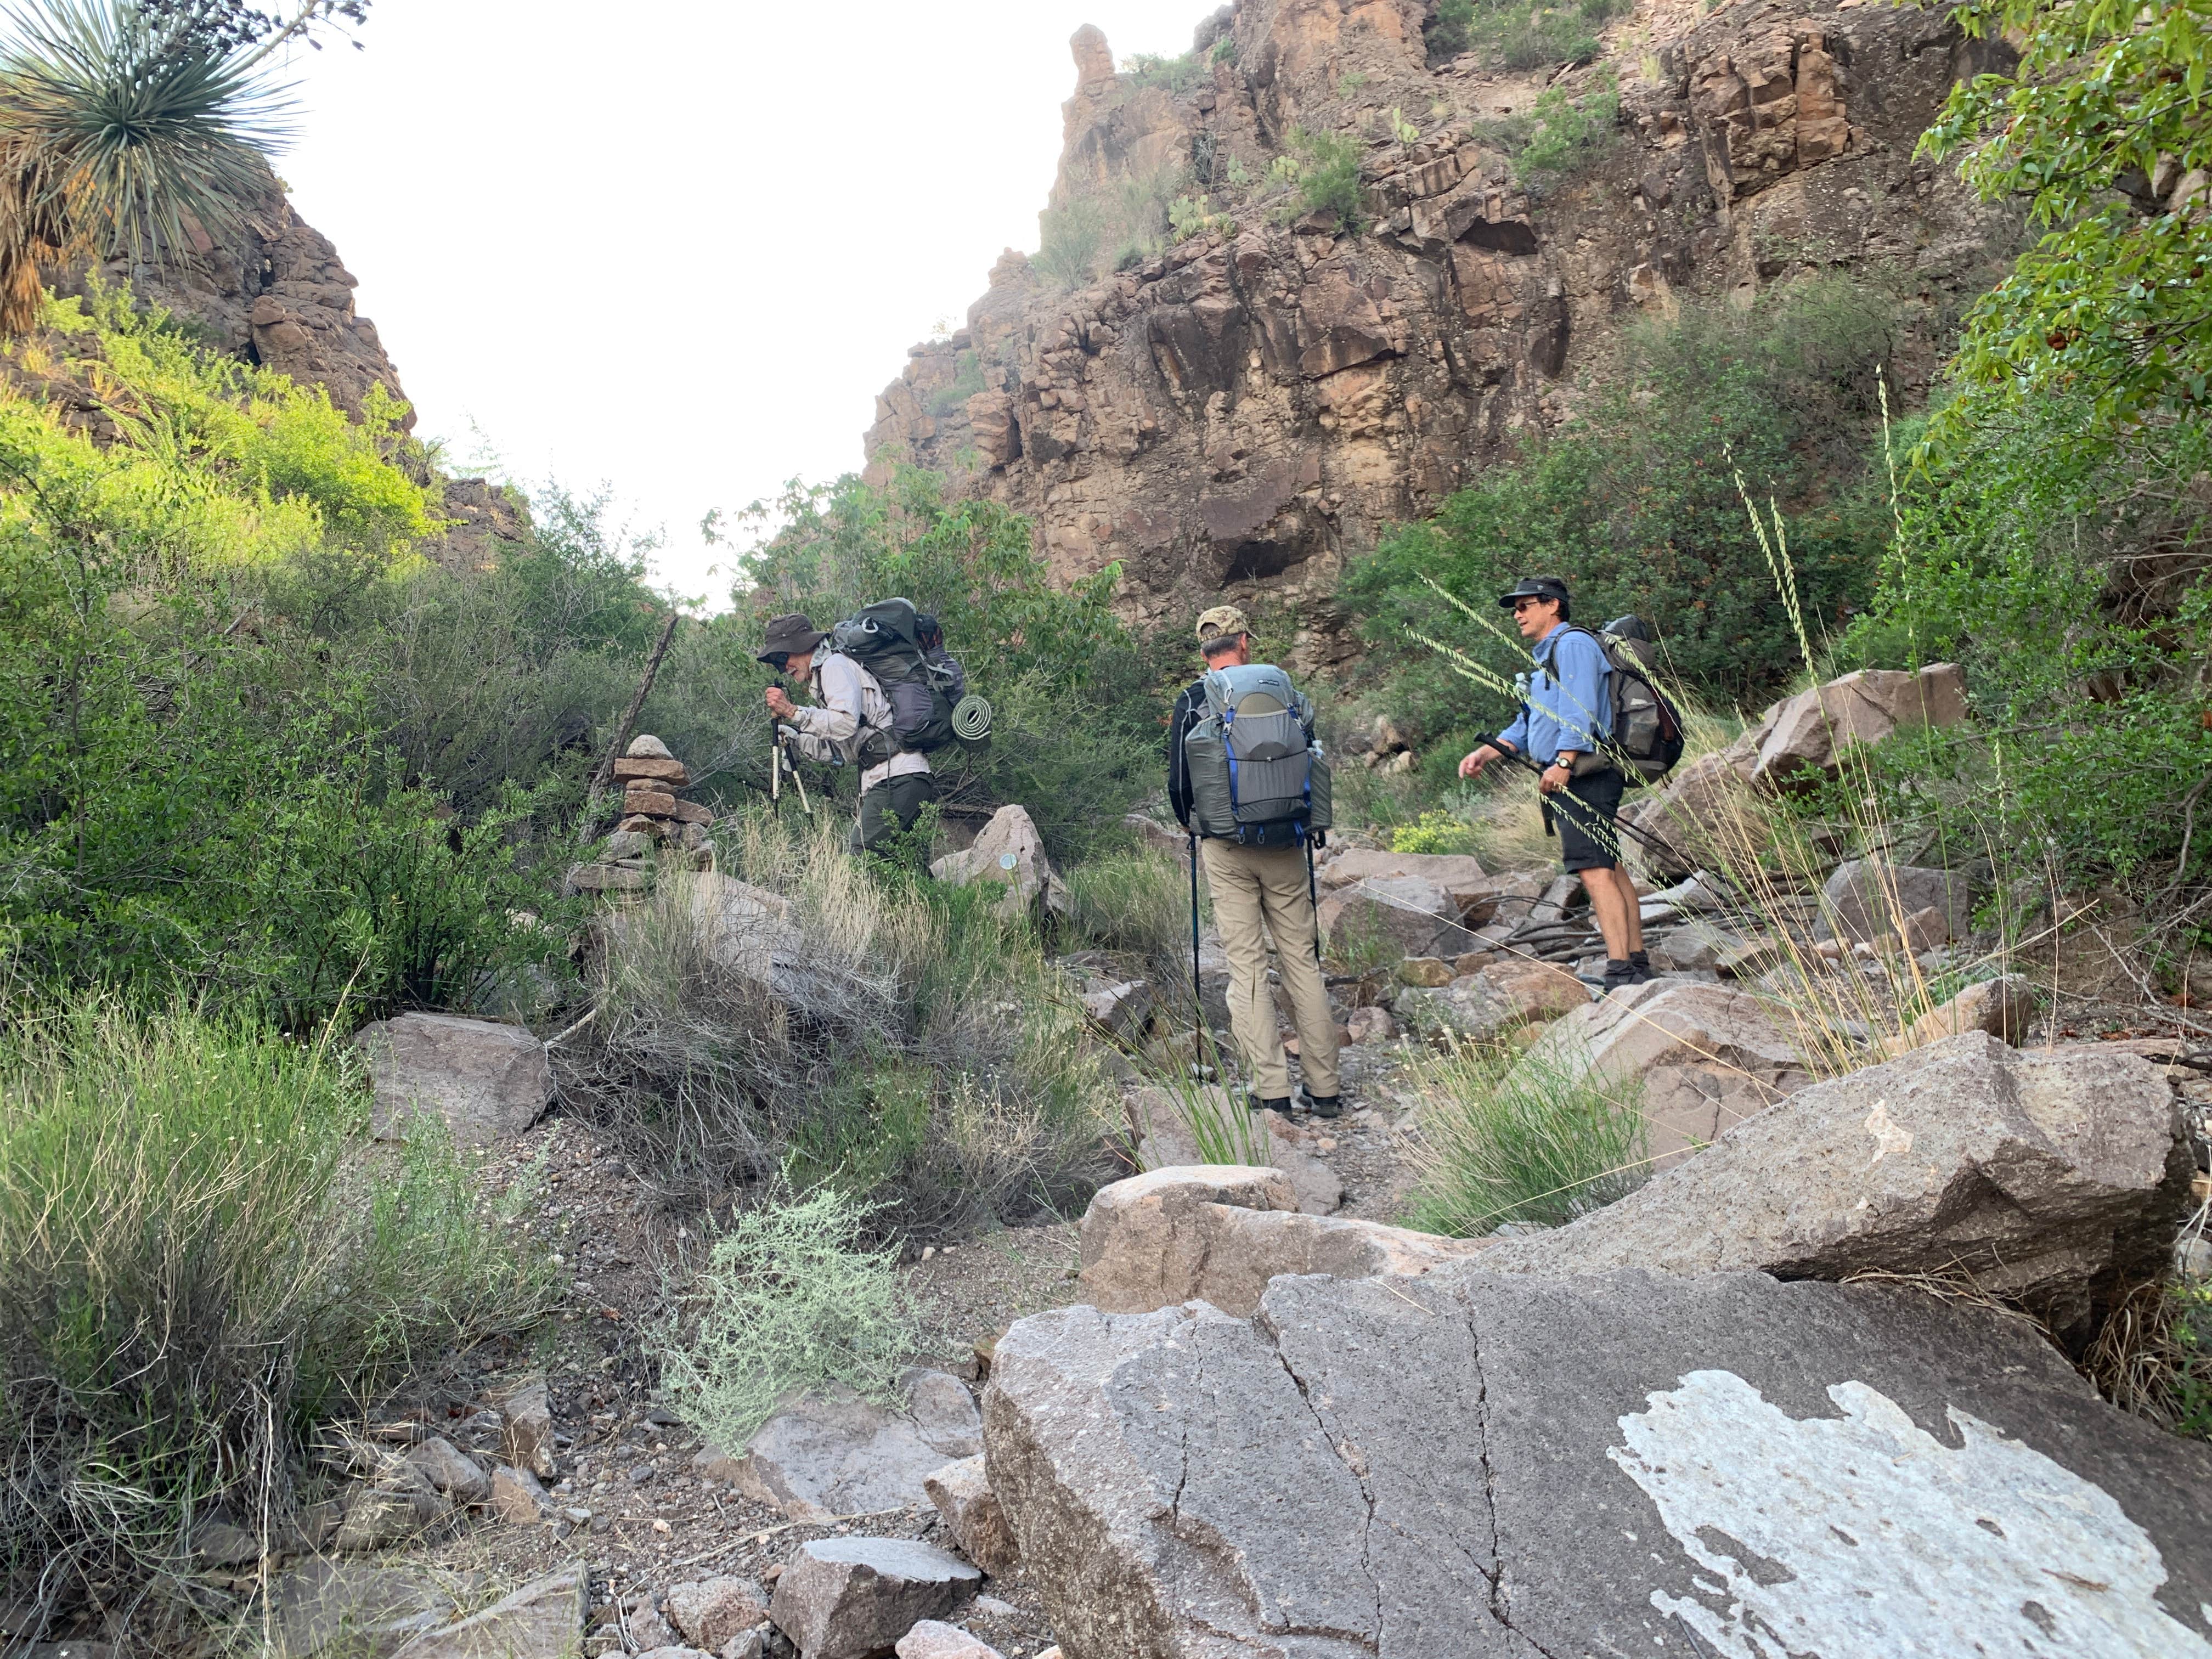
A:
(1565, 721)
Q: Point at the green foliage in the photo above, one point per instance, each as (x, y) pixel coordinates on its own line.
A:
(1522, 1138)
(1077, 736)
(1225, 50)
(2071, 581)
(792, 1297)
(197, 1264)
(1434, 832)
(1189, 218)
(1519, 34)
(2106, 113)
(1324, 168)
(1176, 75)
(1571, 131)
(121, 130)
(1635, 503)
(1067, 255)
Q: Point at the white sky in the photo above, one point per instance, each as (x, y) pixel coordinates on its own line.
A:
(677, 248)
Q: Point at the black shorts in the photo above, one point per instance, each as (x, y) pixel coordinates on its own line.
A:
(1585, 811)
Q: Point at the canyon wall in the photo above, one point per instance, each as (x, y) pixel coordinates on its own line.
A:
(1247, 408)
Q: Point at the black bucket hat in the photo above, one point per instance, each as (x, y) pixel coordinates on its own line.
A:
(789, 636)
(1534, 587)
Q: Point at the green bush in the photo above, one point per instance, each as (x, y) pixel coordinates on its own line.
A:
(792, 1297)
(199, 1264)
(1177, 75)
(1434, 832)
(1067, 253)
(1523, 35)
(2070, 580)
(1635, 502)
(1324, 167)
(1571, 131)
(1522, 1138)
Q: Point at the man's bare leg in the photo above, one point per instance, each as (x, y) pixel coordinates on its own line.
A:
(1613, 900)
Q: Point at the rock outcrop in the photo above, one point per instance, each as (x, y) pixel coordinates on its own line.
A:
(1476, 1463)
(1251, 405)
(2042, 1177)
(832, 1454)
(488, 1082)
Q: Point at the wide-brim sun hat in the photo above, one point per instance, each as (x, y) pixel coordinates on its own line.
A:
(788, 636)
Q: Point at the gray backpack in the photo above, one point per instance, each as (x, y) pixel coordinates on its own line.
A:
(1257, 776)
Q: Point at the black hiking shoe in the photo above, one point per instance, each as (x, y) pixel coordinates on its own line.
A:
(1641, 961)
(1619, 974)
(1254, 1103)
(1324, 1105)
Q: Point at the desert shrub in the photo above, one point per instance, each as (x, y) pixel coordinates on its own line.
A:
(792, 1297)
(1070, 240)
(866, 1030)
(1323, 171)
(967, 381)
(1177, 74)
(1635, 503)
(1570, 129)
(199, 1264)
(1434, 831)
(1519, 36)
(1522, 1138)
(2074, 583)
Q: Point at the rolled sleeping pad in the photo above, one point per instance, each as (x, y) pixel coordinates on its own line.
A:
(972, 718)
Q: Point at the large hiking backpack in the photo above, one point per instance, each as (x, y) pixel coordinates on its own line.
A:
(1257, 777)
(1647, 731)
(903, 653)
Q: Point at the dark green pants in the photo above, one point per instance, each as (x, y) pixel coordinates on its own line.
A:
(891, 806)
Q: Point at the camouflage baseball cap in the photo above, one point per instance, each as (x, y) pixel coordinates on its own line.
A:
(1221, 621)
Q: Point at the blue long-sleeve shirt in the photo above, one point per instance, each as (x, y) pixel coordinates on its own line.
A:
(1570, 702)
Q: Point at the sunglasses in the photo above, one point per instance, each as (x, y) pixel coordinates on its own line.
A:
(1519, 605)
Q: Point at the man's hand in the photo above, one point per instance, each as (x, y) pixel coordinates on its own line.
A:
(779, 704)
(1470, 766)
(1555, 777)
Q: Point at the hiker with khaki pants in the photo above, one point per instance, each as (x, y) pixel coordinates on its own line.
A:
(1257, 871)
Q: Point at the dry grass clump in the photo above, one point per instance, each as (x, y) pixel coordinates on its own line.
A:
(199, 1262)
(824, 1018)
(1513, 1137)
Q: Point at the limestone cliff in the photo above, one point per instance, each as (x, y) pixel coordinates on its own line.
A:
(1252, 404)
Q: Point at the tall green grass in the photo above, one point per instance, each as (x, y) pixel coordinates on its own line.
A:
(1520, 1137)
(200, 1262)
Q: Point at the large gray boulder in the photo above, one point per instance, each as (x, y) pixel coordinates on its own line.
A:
(1473, 1464)
(831, 1454)
(1485, 1004)
(1703, 1058)
(1807, 734)
(853, 1598)
(488, 1082)
(1408, 915)
(1169, 1144)
(2040, 1175)
(1866, 900)
(1219, 1232)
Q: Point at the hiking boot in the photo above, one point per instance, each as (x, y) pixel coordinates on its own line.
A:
(1254, 1103)
(1641, 961)
(1324, 1105)
(1619, 974)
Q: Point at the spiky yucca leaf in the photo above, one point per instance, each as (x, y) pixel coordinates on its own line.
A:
(116, 135)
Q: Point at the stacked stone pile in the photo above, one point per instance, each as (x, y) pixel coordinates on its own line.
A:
(655, 817)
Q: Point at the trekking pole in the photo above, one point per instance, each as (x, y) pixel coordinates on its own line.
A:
(1197, 990)
(792, 766)
(1654, 843)
(1313, 898)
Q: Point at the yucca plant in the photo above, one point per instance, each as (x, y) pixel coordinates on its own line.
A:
(126, 127)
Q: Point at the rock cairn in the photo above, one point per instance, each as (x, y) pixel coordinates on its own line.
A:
(657, 821)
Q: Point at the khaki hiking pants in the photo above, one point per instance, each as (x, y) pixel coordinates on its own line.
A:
(1250, 885)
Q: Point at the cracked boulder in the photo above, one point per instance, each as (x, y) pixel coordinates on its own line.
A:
(1472, 1464)
(1218, 1232)
(853, 1598)
(831, 1454)
(2041, 1175)
(489, 1082)
(1703, 1058)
